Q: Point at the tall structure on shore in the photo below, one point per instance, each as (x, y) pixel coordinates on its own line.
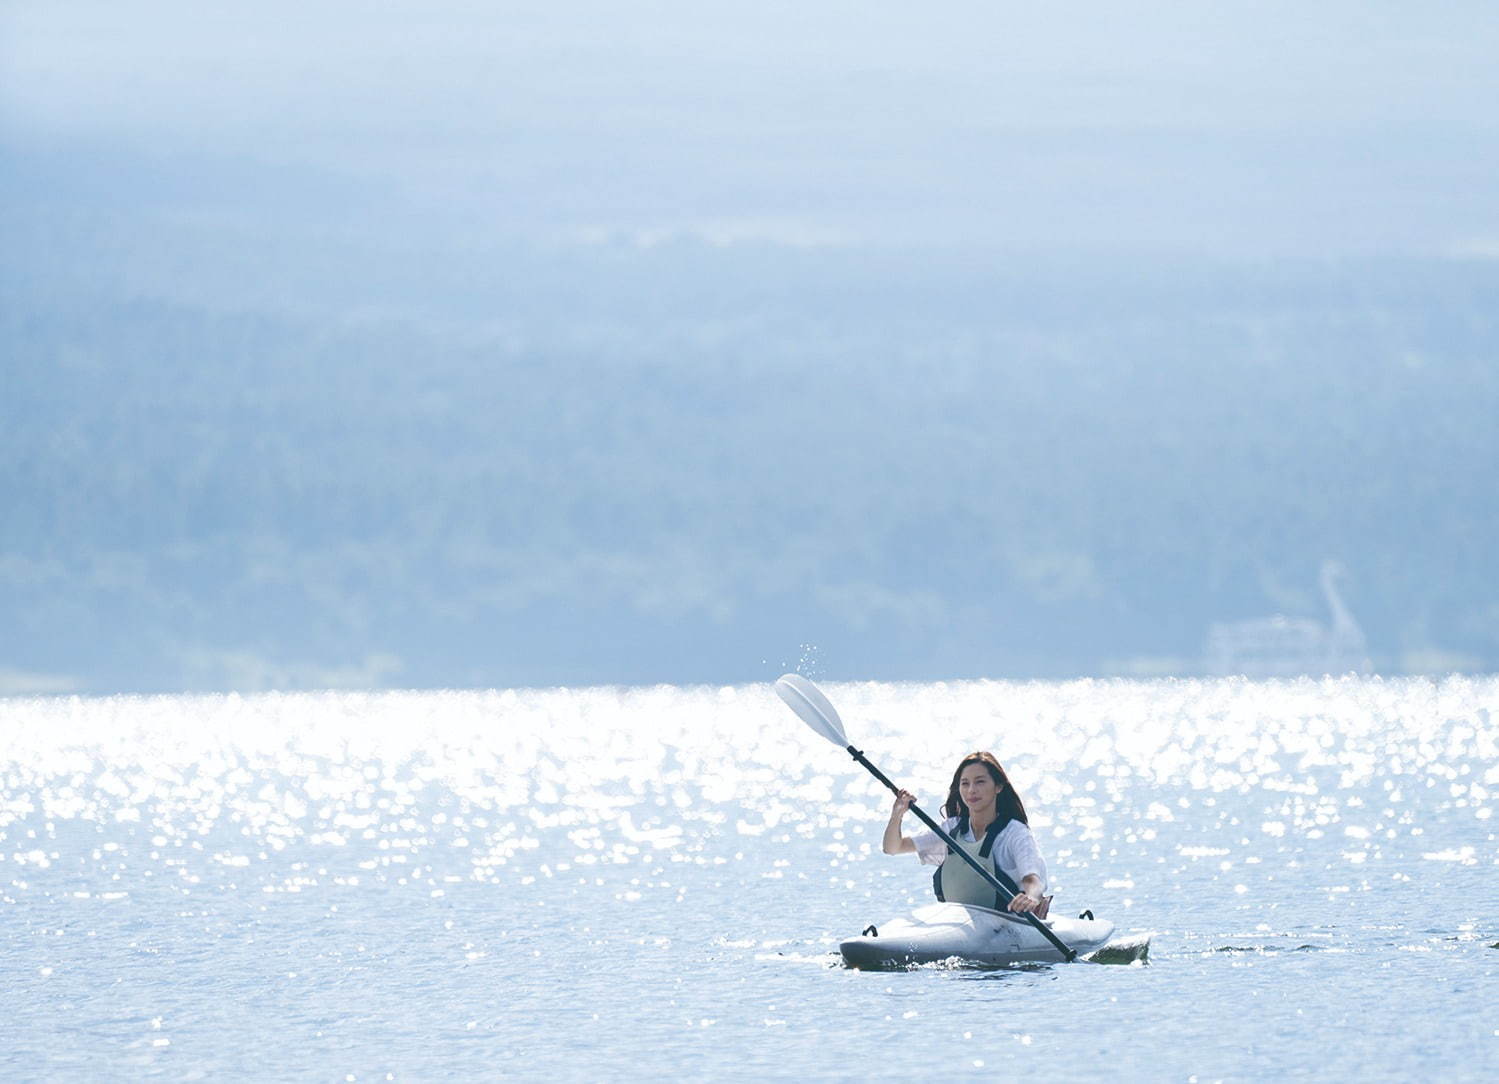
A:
(1283, 646)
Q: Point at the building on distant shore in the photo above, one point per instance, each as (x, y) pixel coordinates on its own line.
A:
(1283, 646)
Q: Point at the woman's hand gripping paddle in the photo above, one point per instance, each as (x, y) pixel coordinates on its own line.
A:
(816, 711)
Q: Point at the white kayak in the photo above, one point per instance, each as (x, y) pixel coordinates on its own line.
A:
(971, 935)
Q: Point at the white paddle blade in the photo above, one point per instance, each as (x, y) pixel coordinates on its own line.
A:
(812, 707)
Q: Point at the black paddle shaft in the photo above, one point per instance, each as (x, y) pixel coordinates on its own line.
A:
(997, 877)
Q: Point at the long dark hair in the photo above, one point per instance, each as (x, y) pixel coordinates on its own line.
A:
(1007, 804)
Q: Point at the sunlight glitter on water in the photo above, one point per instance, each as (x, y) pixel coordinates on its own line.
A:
(425, 786)
(531, 834)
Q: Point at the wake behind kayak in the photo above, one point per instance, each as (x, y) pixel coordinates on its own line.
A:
(970, 935)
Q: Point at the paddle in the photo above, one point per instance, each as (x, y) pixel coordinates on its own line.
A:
(813, 708)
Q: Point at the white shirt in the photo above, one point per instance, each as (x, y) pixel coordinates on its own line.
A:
(1015, 850)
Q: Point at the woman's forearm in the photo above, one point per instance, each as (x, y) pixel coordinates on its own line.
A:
(894, 842)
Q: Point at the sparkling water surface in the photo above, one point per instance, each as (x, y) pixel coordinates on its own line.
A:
(636, 882)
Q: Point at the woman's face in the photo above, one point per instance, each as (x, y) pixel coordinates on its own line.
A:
(977, 787)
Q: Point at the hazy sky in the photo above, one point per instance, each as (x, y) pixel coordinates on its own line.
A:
(510, 343)
(1224, 128)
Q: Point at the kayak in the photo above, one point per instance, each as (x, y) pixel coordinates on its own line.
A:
(971, 935)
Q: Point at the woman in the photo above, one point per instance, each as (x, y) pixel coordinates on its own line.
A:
(986, 818)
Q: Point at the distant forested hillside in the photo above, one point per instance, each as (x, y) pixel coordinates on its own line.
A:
(235, 460)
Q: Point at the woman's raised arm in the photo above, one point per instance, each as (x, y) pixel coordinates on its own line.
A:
(894, 842)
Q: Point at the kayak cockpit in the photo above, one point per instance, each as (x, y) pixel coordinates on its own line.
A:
(977, 936)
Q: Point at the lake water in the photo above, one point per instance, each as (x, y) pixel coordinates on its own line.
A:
(644, 882)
